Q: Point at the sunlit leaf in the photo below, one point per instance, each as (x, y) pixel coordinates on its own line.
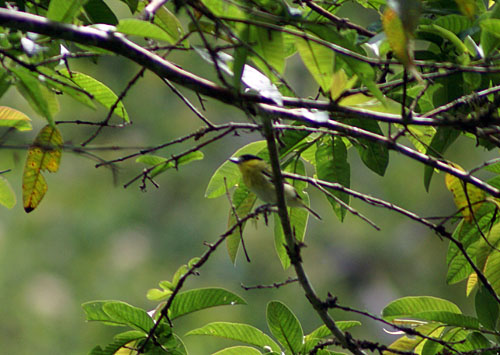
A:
(101, 93)
(135, 27)
(409, 306)
(132, 316)
(198, 299)
(238, 350)
(270, 46)
(43, 155)
(64, 10)
(318, 59)
(240, 332)
(468, 198)
(285, 326)
(10, 117)
(492, 270)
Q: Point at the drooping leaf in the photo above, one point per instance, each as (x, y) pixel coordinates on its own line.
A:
(468, 198)
(375, 156)
(136, 27)
(243, 201)
(285, 326)
(41, 99)
(239, 332)
(64, 10)
(43, 155)
(332, 166)
(198, 299)
(298, 216)
(10, 117)
(318, 60)
(487, 309)
(269, 45)
(492, 270)
(101, 93)
(7, 195)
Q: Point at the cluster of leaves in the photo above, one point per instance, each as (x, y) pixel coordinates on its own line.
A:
(454, 44)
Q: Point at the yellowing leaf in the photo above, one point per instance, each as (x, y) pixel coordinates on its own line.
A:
(10, 117)
(466, 200)
(471, 283)
(43, 155)
(467, 7)
(398, 33)
(396, 36)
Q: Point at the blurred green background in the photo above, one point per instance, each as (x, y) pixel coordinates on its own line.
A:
(92, 239)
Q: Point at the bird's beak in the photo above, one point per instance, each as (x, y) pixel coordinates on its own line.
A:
(235, 160)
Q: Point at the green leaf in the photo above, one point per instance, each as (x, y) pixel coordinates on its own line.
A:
(132, 4)
(64, 10)
(119, 341)
(43, 155)
(170, 24)
(124, 313)
(42, 100)
(487, 310)
(368, 103)
(10, 117)
(239, 332)
(323, 331)
(162, 164)
(449, 319)
(441, 141)
(228, 170)
(195, 300)
(238, 350)
(492, 270)
(243, 201)
(135, 27)
(102, 94)
(285, 326)
(319, 60)
(374, 155)
(454, 23)
(7, 195)
(99, 12)
(66, 86)
(270, 47)
(298, 216)
(467, 233)
(460, 47)
(409, 306)
(94, 311)
(332, 166)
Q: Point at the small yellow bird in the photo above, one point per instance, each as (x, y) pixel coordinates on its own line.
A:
(257, 176)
